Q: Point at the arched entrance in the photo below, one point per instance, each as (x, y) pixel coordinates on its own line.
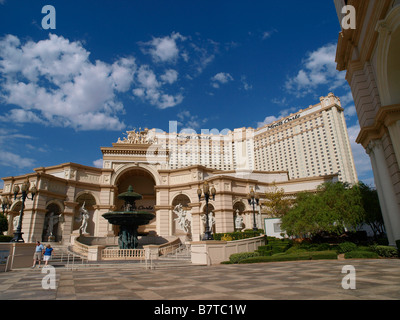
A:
(143, 183)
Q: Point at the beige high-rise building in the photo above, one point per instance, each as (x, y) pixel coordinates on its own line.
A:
(312, 142)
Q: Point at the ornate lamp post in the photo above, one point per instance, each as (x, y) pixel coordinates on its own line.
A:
(253, 199)
(207, 193)
(24, 190)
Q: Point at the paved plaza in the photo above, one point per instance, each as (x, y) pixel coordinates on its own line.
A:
(302, 280)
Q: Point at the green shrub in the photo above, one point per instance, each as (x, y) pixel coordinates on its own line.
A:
(5, 238)
(386, 251)
(361, 255)
(324, 247)
(279, 257)
(323, 255)
(279, 249)
(383, 241)
(346, 247)
(264, 250)
(398, 244)
(236, 257)
(292, 257)
(226, 262)
(238, 235)
(365, 248)
(295, 249)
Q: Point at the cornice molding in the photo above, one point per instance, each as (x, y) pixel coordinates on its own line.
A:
(385, 117)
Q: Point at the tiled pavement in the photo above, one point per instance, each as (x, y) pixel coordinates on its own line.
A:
(302, 280)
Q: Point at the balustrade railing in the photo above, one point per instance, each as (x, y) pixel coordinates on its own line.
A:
(122, 254)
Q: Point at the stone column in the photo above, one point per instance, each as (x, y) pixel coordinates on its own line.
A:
(196, 226)
(68, 224)
(162, 220)
(386, 193)
(171, 222)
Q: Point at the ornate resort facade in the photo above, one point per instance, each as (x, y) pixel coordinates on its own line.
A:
(296, 153)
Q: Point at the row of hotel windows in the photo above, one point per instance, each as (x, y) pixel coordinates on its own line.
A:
(271, 163)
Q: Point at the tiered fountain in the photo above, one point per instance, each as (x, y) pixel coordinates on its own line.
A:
(129, 220)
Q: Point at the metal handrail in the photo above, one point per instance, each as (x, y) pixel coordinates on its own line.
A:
(83, 259)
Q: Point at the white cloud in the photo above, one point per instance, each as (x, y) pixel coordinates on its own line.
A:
(281, 101)
(189, 121)
(22, 116)
(98, 163)
(319, 68)
(147, 78)
(246, 85)
(268, 34)
(53, 82)
(170, 76)
(282, 114)
(122, 73)
(350, 111)
(164, 49)
(10, 159)
(203, 55)
(346, 99)
(220, 78)
(267, 120)
(149, 88)
(361, 158)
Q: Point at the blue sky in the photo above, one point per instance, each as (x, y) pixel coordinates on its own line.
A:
(110, 66)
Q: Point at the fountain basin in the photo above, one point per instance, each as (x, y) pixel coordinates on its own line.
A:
(138, 218)
(129, 220)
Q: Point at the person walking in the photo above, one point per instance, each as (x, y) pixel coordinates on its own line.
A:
(38, 254)
(47, 254)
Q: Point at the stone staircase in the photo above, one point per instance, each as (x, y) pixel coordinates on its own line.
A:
(182, 253)
(64, 257)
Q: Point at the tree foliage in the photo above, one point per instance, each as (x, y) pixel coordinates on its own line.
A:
(372, 210)
(333, 208)
(3, 224)
(276, 203)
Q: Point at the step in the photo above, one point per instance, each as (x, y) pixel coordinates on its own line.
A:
(155, 264)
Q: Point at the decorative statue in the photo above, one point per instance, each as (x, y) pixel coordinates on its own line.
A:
(15, 222)
(238, 220)
(211, 220)
(138, 137)
(51, 222)
(184, 218)
(84, 218)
